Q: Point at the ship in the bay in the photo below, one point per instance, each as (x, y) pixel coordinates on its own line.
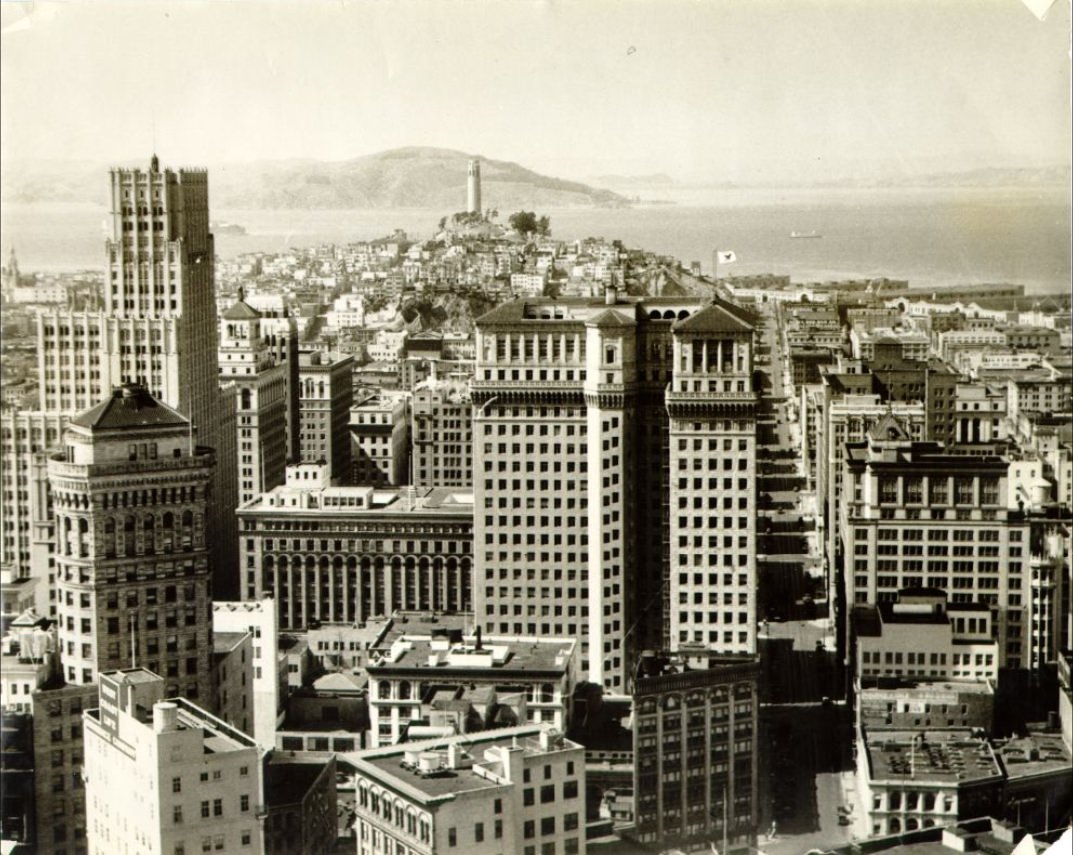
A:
(225, 228)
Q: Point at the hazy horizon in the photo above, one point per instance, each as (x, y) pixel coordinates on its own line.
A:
(706, 93)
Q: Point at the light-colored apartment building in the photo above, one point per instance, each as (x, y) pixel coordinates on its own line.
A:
(165, 776)
(518, 789)
(922, 635)
(325, 394)
(25, 518)
(259, 371)
(269, 669)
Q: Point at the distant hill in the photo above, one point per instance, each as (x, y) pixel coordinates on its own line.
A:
(400, 178)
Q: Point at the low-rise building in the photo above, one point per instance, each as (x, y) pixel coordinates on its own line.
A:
(914, 778)
(456, 684)
(519, 790)
(921, 635)
(258, 618)
(905, 704)
(232, 682)
(370, 551)
(28, 660)
(299, 803)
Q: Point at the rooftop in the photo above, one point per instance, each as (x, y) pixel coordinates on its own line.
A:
(950, 756)
(130, 405)
(224, 642)
(288, 776)
(1037, 753)
(476, 657)
(364, 500)
(426, 771)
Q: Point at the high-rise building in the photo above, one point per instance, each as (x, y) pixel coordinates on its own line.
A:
(325, 396)
(610, 435)
(25, 515)
(473, 187)
(157, 327)
(165, 776)
(130, 498)
(258, 368)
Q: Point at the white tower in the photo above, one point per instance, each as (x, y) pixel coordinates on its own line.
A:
(473, 187)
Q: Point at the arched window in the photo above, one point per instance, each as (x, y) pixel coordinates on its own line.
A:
(895, 825)
(404, 690)
(128, 534)
(109, 538)
(547, 693)
(149, 530)
(186, 532)
(83, 537)
(911, 824)
(383, 691)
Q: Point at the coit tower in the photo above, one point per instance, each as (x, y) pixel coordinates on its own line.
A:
(473, 187)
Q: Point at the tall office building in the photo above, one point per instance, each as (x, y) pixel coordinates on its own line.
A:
(711, 581)
(325, 396)
(609, 436)
(473, 187)
(25, 518)
(157, 327)
(258, 368)
(130, 494)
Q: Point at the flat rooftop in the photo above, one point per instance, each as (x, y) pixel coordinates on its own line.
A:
(365, 501)
(495, 655)
(398, 766)
(224, 642)
(938, 756)
(1037, 753)
(288, 777)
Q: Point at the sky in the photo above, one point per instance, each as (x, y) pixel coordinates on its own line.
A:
(720, 90)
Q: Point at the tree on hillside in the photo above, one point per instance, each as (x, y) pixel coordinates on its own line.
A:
(527, 223)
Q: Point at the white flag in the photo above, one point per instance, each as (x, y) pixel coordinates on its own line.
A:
(726, 256)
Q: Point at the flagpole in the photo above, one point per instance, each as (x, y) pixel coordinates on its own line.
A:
(725, 847)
